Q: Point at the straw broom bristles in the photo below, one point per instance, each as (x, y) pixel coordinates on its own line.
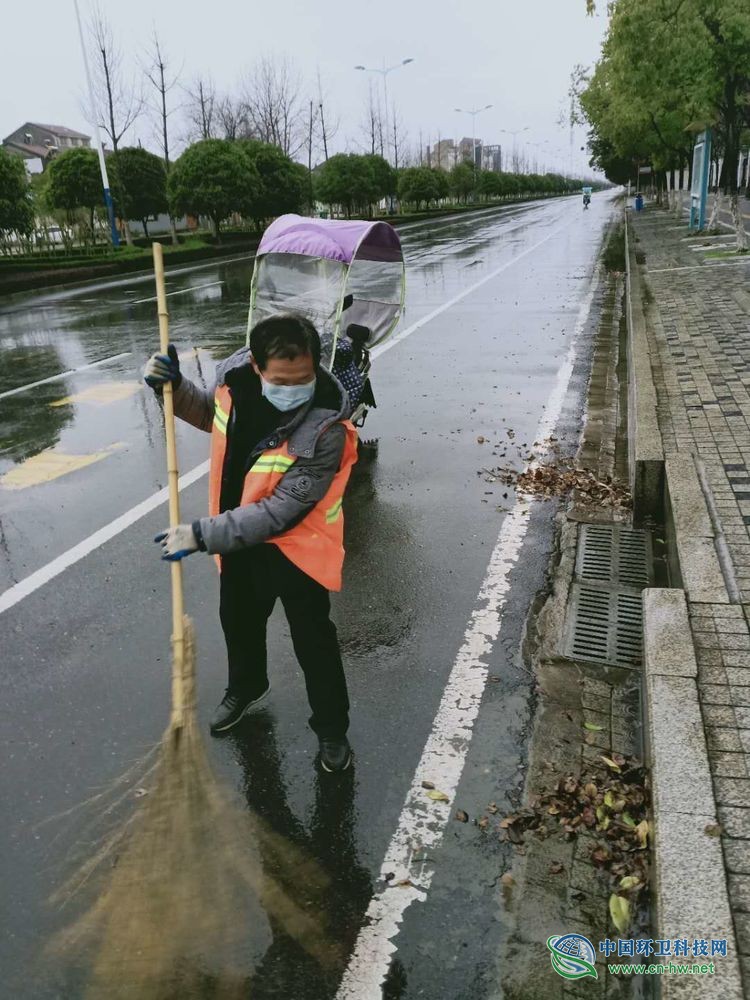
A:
(181, 899)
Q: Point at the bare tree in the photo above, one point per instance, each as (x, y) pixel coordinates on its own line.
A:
(201, 108)
(371, 122)
(117, 103)
(158, 76)
(233, 120)
(272, 101)
(397, 136)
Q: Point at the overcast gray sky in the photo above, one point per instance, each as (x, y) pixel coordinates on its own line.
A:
(515, 55)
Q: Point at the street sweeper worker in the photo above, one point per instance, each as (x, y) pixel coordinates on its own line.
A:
(282, 450)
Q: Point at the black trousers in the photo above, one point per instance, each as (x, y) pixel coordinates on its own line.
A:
(251, 581)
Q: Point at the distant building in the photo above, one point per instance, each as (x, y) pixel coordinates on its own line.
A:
(492, 158)
(37, 144)
(466, 149)
(443, 154)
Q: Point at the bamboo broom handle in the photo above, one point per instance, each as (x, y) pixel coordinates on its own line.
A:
(178, 628)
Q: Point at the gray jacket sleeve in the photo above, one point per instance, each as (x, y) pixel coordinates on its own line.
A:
(298, 491)
(194, 405)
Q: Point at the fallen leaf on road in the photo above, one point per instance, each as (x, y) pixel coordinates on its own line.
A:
(629, 882)
(427, 784)
(556, 868)
(619, 909)
(611, 764)
(437, 796)
(462, 816)
(507, 879)
(642, 832)
(592, 727)
(713, 830)
(405, 883)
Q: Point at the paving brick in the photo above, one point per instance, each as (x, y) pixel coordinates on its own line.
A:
(732, 792)
(736, 855)
(735, 821)
(723, 739)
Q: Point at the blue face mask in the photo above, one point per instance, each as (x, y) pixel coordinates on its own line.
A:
(288, 397)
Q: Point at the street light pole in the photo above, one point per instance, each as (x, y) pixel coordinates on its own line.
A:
(473, 112)
(384, 74)
(100, 148)
(514, 133)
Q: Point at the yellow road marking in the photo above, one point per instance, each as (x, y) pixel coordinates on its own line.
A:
(101, 394)
(49, 465)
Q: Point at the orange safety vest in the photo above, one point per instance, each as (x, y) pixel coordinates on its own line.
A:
(316, 544)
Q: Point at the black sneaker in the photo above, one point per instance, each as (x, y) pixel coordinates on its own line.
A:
(232, 708)
(335, 754)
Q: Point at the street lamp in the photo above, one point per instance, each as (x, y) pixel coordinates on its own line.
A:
(539, 146)
(384, 73)
(473, 112)
(514, 133)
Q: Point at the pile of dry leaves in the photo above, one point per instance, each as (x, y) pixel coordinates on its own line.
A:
(609, 805)
(561, 478)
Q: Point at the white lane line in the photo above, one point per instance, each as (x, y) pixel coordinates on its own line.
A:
(70, 371)
(422, 823)
(34, 581)
(180, 291)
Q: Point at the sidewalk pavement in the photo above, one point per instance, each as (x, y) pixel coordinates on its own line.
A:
(696, 305)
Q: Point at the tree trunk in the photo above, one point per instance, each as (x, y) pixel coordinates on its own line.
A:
(678, 204)
(739, 224)
(173, 231)
(144, 223)
(215, 229)
(128, 234)
(713, 222)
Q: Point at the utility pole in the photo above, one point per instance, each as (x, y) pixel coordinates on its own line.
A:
(309, 160)
(323, 130)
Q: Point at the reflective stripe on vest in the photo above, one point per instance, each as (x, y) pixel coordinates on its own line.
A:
(316, 544)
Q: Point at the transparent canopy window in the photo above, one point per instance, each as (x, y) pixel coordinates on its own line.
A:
(312, 286)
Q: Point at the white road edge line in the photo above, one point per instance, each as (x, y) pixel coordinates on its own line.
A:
(70, 371)
(40, 577)
(422, 823)
(180, 291)
(34, 581)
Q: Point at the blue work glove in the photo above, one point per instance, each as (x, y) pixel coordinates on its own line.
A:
(176, 543)
(161, 368)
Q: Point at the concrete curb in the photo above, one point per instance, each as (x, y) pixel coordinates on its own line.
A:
(690, 890)
(645, 447)
(692, 533)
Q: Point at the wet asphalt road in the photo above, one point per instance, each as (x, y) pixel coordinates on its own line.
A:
(85, 656)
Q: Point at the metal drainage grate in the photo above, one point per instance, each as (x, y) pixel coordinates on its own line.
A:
(614, 554)
(604, 620)
(605, 626)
